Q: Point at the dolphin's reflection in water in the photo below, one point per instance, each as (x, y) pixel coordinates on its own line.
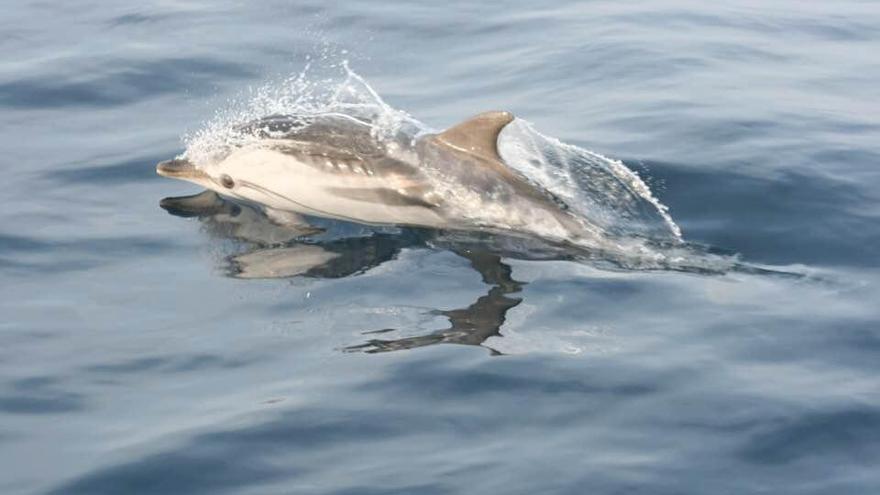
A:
(282, 245)
(472, 325)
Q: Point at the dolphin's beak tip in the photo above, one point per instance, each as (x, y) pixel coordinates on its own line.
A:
(178, 168)
(163, 168)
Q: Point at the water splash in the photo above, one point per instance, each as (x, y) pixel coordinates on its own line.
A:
(600, 189)
(320, 89)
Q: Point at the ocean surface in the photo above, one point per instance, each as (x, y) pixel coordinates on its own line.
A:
(158, 339)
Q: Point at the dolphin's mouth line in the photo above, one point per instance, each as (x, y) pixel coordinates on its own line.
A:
(269, 192)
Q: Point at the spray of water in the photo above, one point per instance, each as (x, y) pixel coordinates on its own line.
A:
(597, 188)
(319, 89)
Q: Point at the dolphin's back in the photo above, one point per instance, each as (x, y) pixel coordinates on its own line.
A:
(336, 131)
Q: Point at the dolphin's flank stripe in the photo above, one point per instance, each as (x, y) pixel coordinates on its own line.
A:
(382, 195)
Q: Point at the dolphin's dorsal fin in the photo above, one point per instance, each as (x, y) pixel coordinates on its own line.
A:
(477, 135)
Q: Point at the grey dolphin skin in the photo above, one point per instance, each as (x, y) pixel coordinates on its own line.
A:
(333, 166)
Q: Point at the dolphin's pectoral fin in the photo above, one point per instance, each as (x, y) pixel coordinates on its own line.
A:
(284, 218)
(477, 135)
(291, 221)
(410, 196)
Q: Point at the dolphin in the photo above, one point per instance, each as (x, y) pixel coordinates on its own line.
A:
(334, 166)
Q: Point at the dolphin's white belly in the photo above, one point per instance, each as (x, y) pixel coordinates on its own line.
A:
(334, 190)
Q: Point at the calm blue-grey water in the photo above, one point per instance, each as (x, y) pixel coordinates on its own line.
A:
(131, 361)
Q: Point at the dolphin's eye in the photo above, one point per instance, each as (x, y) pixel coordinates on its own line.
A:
(227, 181)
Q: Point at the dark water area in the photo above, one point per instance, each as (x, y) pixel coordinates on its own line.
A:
(142, 352)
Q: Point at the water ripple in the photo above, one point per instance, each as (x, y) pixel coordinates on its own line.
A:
(118, 83)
